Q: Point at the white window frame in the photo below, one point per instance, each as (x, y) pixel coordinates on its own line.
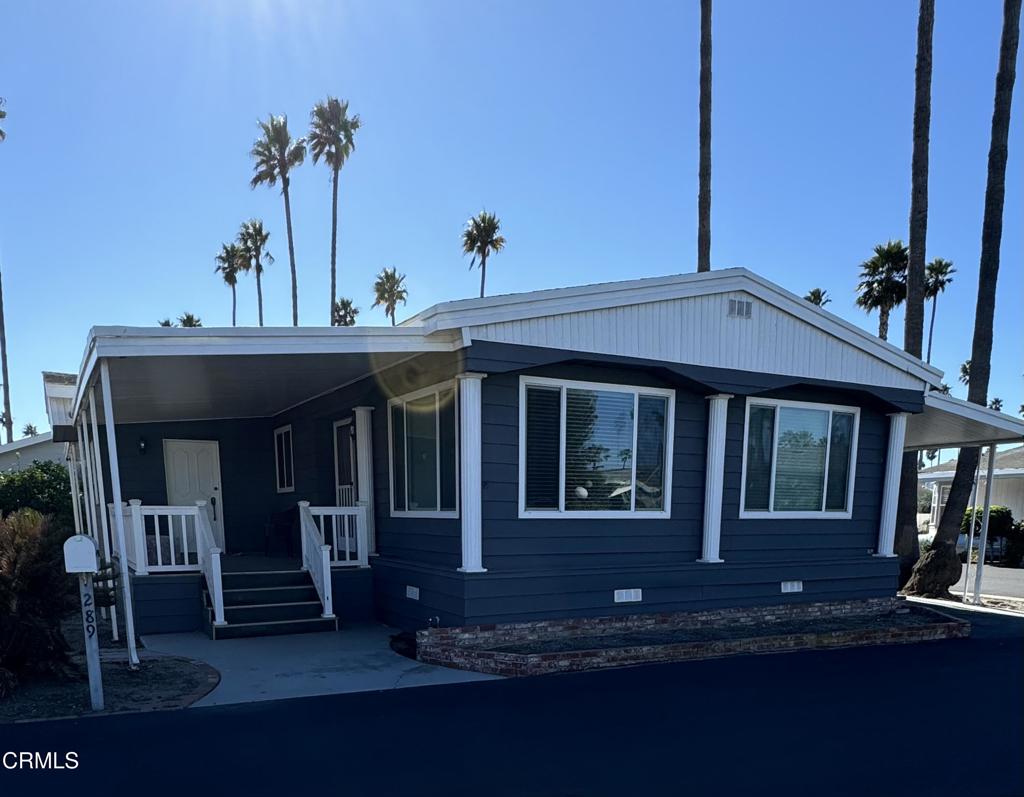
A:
(416, 394)
(603, 514)
(279, 432)
(821, 514)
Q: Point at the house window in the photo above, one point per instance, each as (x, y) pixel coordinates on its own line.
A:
(285, 464)
(423, 455)
(799, 459)
(594, 450)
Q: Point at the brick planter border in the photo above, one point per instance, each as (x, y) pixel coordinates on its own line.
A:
(470, 647)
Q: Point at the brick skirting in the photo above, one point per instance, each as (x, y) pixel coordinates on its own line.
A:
(473, 647)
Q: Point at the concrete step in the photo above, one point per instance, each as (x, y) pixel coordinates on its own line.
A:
(269, 612)
(265, 578)
(247, 596)
(274, 628)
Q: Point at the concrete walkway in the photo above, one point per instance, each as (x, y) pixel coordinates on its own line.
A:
(355, 659)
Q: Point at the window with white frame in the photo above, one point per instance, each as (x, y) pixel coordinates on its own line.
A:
(799, 459)
(423, 452)
(594, 450)
(284, 463)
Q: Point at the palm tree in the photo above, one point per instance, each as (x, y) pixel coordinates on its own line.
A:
(882, 285)
(938, 275)
(389, 290)
(940, 568)
(29, 430)
(3, 115)
(165, 322)
(996, 404)
(944, 389)
(189, 320)
(230, 261)
(332, 137)
(252, 240)
(704, 168)
(480, 238)
(965, 372)
(344, 314)
(817, 296)
(274, 156)
(7, 421)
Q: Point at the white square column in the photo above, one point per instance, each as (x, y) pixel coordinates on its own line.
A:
(714, 478)
(364, 471)
(470, 472)
(891, 487)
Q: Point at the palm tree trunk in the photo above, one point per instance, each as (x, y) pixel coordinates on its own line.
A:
(940, 568)
(392, 318)
(906, 543)
(483, 273)
(8, 420)
(259, 290)
(234, 307)
(334, 246)
(291, 253)
(883, 323)
(704, 171)
(931, 328)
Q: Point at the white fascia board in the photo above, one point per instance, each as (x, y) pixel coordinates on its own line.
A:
(512, 307)
(975, 412)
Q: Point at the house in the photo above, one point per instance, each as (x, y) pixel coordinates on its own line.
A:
(22, 453)
(678, 443)
(1007, 483)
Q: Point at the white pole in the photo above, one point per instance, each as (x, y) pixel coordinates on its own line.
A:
(90, 505)
(115, 489)
(107, 546)
(984, 524)
(76, 504)
(970, 536)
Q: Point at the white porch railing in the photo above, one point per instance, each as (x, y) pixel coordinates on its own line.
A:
(209, 560)
(316, 557)
(346, 495)
(344, 528)
(162, 539)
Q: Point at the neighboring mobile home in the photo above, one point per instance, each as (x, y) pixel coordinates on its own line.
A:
(1007, 483)
(676, 443)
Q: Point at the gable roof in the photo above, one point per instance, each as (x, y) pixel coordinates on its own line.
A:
(536, 304)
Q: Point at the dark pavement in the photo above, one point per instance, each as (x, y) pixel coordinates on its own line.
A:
(880, 721)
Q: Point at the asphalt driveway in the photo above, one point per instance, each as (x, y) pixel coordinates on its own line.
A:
(1005, 581)
(858, 721)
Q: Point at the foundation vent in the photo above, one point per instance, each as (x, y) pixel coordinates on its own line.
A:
(629, 595)
(792, 586)
(412, 593)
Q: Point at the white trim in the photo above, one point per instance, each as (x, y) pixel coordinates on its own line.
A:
(563, 385)
(403, 400)
(513, 307)
(470, 472)
(821, 514)
(714, 478)
(279, 432)
(947, 475)
(364, 472)
(891, 486)
(350, 423)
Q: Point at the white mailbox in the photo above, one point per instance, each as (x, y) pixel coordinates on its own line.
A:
(80, 555)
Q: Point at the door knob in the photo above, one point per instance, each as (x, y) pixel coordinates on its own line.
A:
(213, 505)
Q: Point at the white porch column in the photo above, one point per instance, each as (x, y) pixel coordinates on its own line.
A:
(364, 470)
(933, 522)
(979, 569)
(76, 503)
(107, 543)
(714, 477)
(115, 491)
(470, 472)
(87, 478)
(891, 488)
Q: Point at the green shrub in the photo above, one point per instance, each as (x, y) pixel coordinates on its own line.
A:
(1015, 545)
(35, 595)
(924, 499)
(43, 487)
(1000, 521)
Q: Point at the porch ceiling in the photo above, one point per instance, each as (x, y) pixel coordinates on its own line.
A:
(199, 387)
(949, 422)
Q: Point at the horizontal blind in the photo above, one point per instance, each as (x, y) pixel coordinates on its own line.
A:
(800, 459)
(598, 450)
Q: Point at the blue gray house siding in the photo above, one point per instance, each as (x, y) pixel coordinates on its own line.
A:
(548, 568)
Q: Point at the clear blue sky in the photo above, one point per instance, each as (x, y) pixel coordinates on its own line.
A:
(126, 163)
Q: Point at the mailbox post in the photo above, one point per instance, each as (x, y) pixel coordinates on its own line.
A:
(80, 558)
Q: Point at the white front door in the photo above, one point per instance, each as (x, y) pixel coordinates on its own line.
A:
(193, 474)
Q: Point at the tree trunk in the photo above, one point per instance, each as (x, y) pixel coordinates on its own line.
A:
(906, 543)
(704, 170)
(259, 290)
(334, 247)
(8, 420)
(883, 323)
(392, 318)
(931, 327)
(483, 273)
(234, 307)
(291, 253)
(935, 573)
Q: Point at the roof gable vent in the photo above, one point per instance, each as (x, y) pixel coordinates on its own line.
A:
(741, 308)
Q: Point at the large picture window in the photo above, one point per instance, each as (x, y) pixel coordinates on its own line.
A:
(423, 452)
(594, 450)
(799, 459)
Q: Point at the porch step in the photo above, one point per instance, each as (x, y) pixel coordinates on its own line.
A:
(274, 628)
(265, 603)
